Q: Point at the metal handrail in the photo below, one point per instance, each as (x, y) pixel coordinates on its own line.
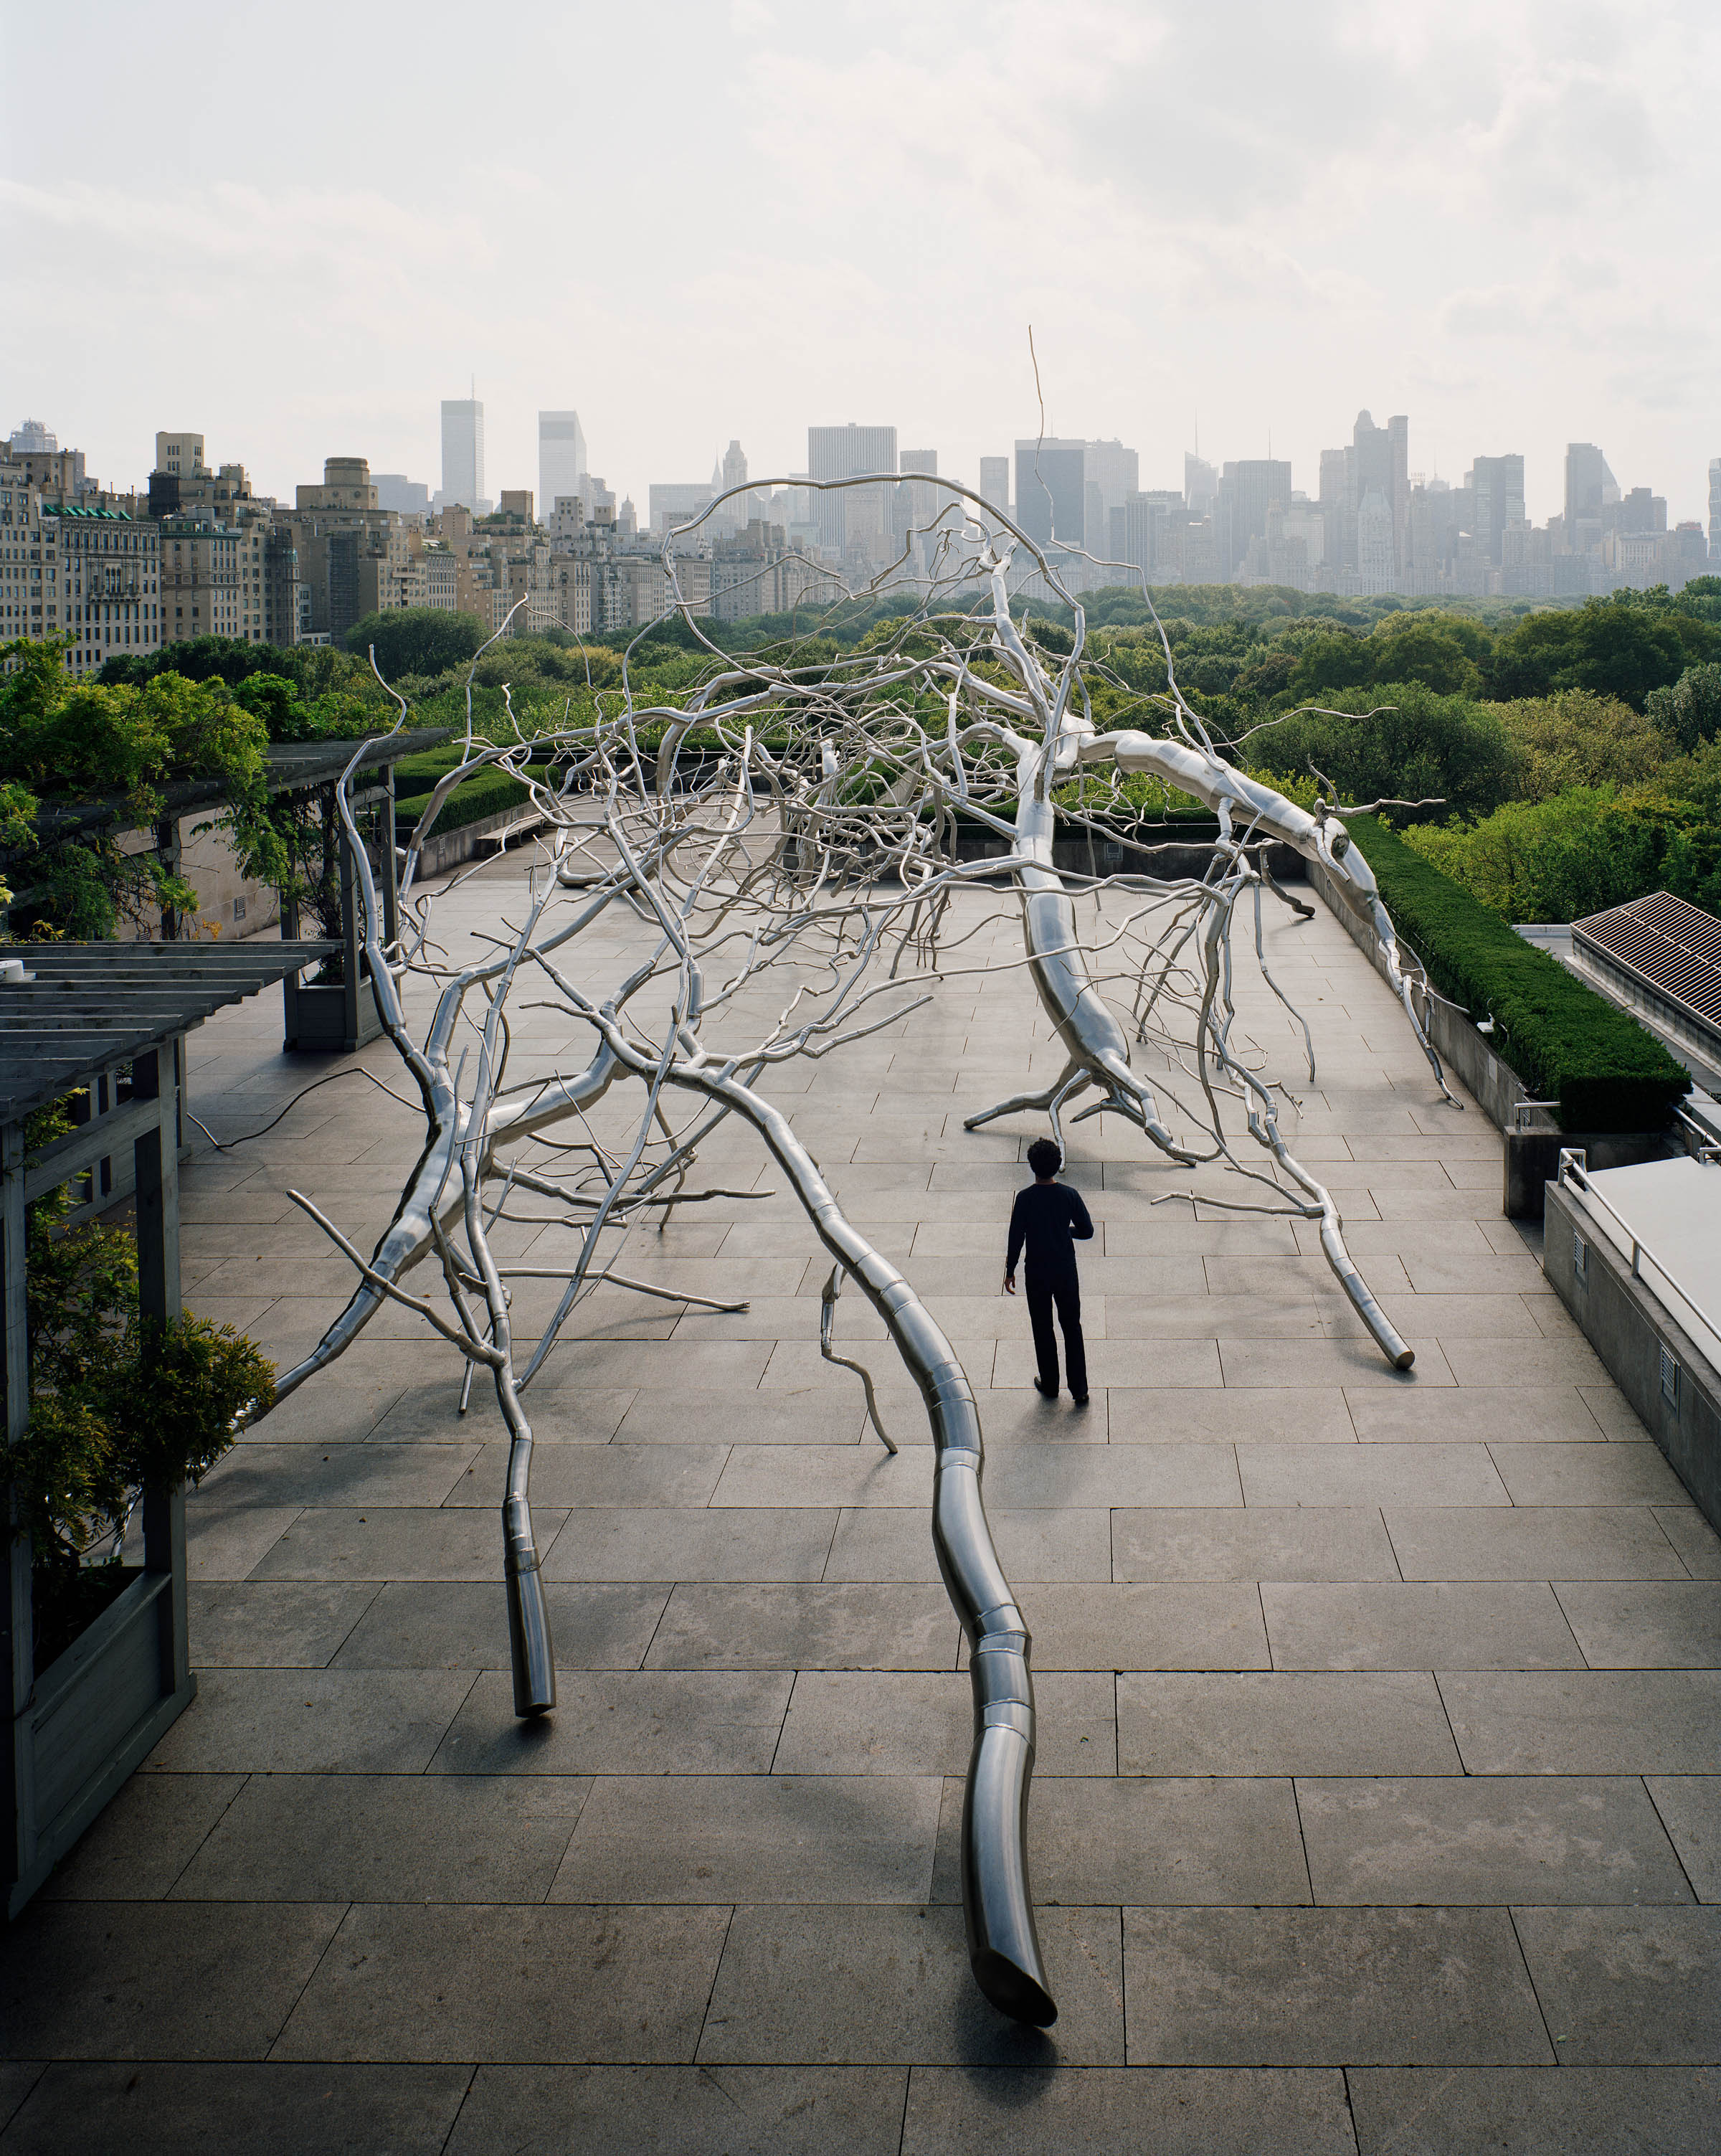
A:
(1699, 1139)
(1574, 1173)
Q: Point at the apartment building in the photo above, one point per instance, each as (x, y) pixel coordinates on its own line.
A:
(30, 593)
(111, 567)
(200, 580)
(353, 556)
(758, 572)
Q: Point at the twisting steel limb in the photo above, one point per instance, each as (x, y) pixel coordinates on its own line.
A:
(777, 848)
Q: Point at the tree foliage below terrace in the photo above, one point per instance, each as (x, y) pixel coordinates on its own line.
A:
(1479, 703)
(1587, 847)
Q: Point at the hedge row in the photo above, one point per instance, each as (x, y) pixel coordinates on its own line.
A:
(489, 792)
(1568, 1043)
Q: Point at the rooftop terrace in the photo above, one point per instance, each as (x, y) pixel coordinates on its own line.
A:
(1376, 1809)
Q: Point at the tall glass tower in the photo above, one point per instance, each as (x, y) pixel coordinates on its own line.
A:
(463, 454)
(562, 461)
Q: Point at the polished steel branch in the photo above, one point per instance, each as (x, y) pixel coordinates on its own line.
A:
(1003, 1946)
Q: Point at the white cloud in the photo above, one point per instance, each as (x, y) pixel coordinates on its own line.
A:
(695, 223)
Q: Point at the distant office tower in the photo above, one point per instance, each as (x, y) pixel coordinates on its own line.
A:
(395, 490)
(1375, 566)
(1249, 490)
(561, 457)
(1146, 531)
(743, 509)
(1378, 461)
(1112, 474)
(1715, 509)
(1051, 490)
(918, 505)
(463, 454)
(1497, 488)
(995, 482)
(1332, 479)
(856, 516)
(1589, 488)
(674, 501)
(1200, 485)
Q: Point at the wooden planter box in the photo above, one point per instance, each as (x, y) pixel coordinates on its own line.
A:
(329, 1018)
(93, 1716)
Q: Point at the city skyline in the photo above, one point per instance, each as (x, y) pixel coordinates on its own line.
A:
(1229, 236)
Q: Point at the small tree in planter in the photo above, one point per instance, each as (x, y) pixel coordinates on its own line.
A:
(118, 1403)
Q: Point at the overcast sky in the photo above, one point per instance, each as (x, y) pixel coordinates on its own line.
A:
(296, 229)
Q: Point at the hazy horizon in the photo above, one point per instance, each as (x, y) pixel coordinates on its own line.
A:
(738, 221)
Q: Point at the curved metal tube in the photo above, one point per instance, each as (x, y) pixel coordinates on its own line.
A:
(1003, 1946)
(1222, 787)
(1098, 1049)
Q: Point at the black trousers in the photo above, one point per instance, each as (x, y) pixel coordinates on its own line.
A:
(1065, 1295)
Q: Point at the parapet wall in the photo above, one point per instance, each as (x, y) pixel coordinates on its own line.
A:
(1533, 1137)
(1655, 1363)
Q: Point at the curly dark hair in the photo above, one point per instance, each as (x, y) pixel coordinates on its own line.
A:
(1044, 1157)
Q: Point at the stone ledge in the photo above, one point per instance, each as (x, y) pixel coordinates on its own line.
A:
(1630, 1328)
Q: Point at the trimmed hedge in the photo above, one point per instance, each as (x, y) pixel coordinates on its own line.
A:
(489, 792)
(1567, 1044)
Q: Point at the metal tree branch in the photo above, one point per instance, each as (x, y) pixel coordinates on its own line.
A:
(780, 842)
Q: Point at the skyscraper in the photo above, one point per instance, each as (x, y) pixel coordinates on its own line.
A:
(1589, 486)
(1715, 509)
(561, 459)
(1497, 486)
(1113, 473)
(463, 454)
(858, 514)
(1378, 461)
(1051, 490)
(1248, 490)
(1201, 485)
(995, 482)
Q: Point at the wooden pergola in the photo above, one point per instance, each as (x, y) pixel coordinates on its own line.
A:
(99, 1026)
(336, 1016)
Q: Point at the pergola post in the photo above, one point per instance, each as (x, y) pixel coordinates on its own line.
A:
(17, 1658)
(155, 1152)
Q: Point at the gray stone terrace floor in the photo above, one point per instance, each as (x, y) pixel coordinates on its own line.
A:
(1377, 1808)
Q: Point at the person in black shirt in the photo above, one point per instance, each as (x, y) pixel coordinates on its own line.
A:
(1050, 1219)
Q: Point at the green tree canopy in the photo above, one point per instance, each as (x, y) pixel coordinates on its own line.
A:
(1418, 746)
(1614, 647)
(1690, 710)
(416, 640)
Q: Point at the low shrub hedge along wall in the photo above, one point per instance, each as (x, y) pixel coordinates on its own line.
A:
(487, 793)
(1566, 1043)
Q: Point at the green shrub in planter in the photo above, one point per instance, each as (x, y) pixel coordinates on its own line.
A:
(1568, 1044)
(115, 1402)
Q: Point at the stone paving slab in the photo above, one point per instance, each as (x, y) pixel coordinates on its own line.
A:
(1376, 1806)
(186, 2109)
(1530, 2111)
(523, 1985)
(695, 2111)
(1435, 1840)
(1627, 1987)
(1291, 1987)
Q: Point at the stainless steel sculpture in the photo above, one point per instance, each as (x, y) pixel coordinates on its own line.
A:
(816, 859)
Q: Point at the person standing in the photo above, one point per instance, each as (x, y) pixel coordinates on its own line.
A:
(1051, 1220)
